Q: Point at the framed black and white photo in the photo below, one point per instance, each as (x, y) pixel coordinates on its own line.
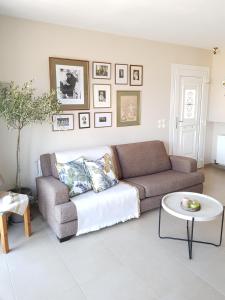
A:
(101, 95)
(101, 70)
(136, 75)
(103, 119)
(70, 80)
(63, 122)
(84, 120)
(121, 74)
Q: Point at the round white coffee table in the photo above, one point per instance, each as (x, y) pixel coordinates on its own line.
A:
(210, 210)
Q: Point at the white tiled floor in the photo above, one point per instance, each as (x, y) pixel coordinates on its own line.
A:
(127, 261)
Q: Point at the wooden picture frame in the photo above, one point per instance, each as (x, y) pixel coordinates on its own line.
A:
(84, 120)
(69, 78)
(121, 74)
(101, 95)
(62, 122)
(103, 119)
(136, 75)
(128, 108)
(101, 70)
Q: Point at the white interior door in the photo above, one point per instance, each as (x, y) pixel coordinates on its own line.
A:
(188, 111)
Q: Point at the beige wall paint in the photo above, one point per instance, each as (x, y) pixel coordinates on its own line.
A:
(25, 48)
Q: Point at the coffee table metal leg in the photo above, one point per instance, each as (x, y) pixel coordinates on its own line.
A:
(159, 227)
(190, 239)
(221, 230)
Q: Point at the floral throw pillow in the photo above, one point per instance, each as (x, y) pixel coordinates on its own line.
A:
(74, 175)
(101, 173)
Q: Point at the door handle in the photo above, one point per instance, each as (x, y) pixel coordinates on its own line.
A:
(177, 122)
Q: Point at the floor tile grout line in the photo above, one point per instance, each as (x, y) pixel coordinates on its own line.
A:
(80, 285)
(179, 261)
(156, 297)
(117, 259)
(11, 279)
(198, 275)
(203, 279)
(132, 270)
(63, 261)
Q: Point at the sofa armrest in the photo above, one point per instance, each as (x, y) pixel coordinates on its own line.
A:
(65, 212)
(53, 190)
(183, 164)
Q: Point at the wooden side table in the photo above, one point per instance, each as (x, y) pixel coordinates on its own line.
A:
(4, 228)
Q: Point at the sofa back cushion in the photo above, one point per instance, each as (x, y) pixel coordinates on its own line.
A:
(145, 158)
(48, 161)
(101, 173)
(48, 165)
(45, 164)
(75, 176)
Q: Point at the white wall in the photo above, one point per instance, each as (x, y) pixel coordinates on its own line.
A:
(216, 111)
(24, 52)
(217, 90)
(213, 130)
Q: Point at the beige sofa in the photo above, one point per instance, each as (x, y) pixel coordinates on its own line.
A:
(145, 165)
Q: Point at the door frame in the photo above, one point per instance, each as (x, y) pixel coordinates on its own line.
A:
(177, 71)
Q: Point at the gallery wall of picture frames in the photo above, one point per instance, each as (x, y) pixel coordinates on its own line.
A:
(70, 80)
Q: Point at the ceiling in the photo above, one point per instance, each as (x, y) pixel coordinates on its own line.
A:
(198, 23)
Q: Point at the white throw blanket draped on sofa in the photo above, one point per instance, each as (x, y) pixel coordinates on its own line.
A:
(98, 210)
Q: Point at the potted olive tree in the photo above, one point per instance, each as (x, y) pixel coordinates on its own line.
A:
(19, 108)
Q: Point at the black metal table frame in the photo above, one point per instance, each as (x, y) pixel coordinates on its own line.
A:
(190, 233)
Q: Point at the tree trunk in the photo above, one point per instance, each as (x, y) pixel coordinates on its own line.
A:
(18, 179)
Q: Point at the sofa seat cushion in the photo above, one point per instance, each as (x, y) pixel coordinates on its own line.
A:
(139, 159)
(140, 188)
(166, 182)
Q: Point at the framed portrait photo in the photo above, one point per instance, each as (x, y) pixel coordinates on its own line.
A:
(128, 108)
(63, 122)
(121, 74)
(101, 95)
(84, 120)
(70, 80)
(101, 70)
(136, 75)
(103, 119)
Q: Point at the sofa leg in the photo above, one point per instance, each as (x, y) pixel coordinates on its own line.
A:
(67, 238)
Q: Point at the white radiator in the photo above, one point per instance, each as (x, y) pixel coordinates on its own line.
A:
(220, 151)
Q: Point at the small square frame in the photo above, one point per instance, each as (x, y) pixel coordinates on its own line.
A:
(62, 127)
(103, 115)
(99, 70)
(105, 90)
(136, 75)
(80, 121)
(119, 79)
